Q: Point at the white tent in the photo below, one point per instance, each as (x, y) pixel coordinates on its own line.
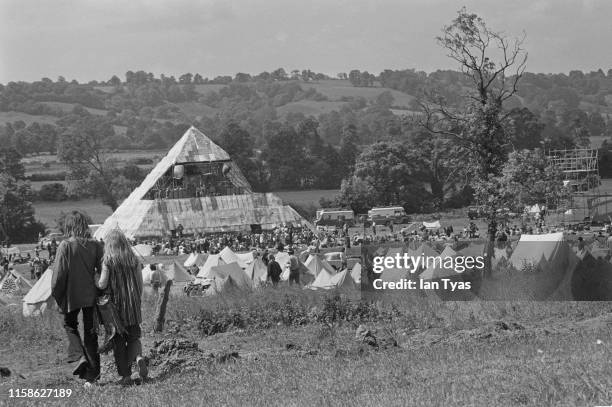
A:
(533, 249)
(328, 281)
(229, 275)
(315, 264)
(195, 259)
(39, 298)
(212, 261)
(282, 258)
(177, 273)
(246, 258)
(143, 250)
(228, 256)
(356, 273)
(257, 272)
(436, 268)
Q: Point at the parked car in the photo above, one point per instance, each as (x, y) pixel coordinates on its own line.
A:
(335, 217)
(388, 215)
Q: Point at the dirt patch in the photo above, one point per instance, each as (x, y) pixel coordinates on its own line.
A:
(170, 356)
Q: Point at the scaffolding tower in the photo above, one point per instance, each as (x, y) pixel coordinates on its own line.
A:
(580, 169)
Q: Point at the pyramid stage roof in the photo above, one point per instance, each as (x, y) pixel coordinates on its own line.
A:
(144, 213)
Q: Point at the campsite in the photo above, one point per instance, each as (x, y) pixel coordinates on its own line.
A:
(364, 203)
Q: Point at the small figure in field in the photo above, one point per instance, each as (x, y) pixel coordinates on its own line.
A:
(156, 278)
(121, 278)
(274, 270)
(294, 268)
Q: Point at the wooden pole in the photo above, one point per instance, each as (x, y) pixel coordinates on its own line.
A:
(160, 309)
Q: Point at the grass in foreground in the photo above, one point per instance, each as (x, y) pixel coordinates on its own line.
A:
(448, 353)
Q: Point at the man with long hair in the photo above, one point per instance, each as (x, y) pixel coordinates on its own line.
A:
(77, 260)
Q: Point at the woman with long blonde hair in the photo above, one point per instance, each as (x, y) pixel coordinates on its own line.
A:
(121, 278)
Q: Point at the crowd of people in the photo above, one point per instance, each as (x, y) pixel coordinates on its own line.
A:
(286, 235)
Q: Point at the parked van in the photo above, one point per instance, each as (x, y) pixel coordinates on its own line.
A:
(388, 215)
(335, 217)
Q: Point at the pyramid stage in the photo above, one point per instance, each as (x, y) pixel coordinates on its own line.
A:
(198, 186)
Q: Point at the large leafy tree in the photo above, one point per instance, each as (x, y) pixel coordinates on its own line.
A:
(441, 166)
(526, 178)
(81, 148)
(16, 212)
(385, 174)
(494, 65)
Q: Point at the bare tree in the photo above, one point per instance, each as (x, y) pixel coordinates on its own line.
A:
(494, 65)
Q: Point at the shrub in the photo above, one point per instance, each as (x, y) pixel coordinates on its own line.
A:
(53, 192)
(50, 176)
(289, 311)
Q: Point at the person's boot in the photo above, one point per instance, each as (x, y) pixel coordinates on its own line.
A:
(81, 367)
(143, 370)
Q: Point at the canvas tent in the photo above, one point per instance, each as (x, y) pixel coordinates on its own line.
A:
(143, 250)
(141, 216)
(177, 273)
(213, 260)
(282, 258)
(257, 272)
(436, 269)
(229, 276)
(315, 263)
(329, 281)
(14, 284)
(538, 249)
(356, 273)
(195, 259)
(246, 258)
(39, 298)
(229, 256)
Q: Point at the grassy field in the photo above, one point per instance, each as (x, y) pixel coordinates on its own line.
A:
(307, 197)
(337, 89)
(11, 117)
(47, 212)
(298, 348)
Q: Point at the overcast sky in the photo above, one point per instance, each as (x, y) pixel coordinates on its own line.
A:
(94, 39)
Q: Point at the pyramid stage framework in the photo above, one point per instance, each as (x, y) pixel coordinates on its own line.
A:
(198, 186)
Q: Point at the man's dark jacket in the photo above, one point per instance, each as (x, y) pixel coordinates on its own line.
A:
(76, 263)
(274, 270)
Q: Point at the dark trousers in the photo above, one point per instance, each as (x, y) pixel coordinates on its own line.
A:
(125, 349)
(294, 277)
(88, 347)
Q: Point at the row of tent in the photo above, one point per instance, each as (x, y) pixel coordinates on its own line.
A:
(534, 250)
(227, 269)
(243, 270)
(566, 273)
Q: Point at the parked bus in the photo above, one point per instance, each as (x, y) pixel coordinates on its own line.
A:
(388, 215)
(335, 217)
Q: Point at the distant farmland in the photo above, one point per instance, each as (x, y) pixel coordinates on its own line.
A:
(47, 212)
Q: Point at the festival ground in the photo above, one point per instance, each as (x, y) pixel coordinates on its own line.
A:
(297, 347)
